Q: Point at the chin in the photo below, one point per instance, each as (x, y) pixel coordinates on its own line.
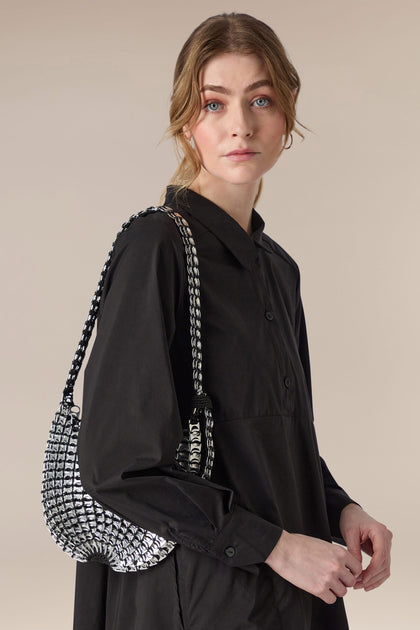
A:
(240, 178)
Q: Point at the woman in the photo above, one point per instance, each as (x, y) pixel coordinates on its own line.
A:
(254, 543)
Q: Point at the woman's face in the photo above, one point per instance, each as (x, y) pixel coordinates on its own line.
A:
(239, 110)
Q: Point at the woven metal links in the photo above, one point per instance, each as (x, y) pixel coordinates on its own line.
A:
(93, 313)
(81, 526)
(193, 279)
(189, 452)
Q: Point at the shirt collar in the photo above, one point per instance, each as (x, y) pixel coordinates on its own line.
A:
(221, 224)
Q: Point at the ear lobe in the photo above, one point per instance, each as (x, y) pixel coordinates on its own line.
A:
(187, 133)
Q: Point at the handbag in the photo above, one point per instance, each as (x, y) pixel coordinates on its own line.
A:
(82, 527)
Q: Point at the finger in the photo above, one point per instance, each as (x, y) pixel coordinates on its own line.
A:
(360, 580)
(376, 584)
(364, 581)
(378, 564)
(380, 577)
(329, 597)
(371, 576)
(348, 578)
(338, 588)
(380, 558)
(353, 565)
(353, 543)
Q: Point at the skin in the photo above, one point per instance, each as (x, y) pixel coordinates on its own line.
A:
(363, 533)
(242, 119)
(254, 119)
(327, 570)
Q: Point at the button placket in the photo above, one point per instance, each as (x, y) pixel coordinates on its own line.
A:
(286, 381)
(262, 291)
(260, 288)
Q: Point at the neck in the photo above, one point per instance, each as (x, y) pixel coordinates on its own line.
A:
(235, 199)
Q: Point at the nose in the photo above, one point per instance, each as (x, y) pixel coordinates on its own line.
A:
(240, 122)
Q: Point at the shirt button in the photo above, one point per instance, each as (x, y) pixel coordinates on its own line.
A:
(230, 552)
(269, 315)
(287, 381)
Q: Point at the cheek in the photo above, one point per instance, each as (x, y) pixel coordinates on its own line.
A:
(206, 139)
(276, 132)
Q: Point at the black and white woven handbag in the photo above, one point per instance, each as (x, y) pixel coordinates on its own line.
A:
(82, 527)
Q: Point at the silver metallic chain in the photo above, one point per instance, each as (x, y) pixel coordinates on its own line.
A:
(201, 402)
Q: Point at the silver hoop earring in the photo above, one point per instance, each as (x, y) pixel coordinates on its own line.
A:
(291, 142)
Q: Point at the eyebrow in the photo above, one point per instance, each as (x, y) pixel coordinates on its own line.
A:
(249, 88)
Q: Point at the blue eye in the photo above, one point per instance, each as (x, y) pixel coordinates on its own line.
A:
(207, 106)
(262, 98)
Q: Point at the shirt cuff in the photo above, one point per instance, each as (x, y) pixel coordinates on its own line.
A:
(245, 539)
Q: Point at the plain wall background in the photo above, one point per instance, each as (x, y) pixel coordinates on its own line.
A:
(85, 95)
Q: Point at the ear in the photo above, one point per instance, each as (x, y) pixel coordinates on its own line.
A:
(186, 131)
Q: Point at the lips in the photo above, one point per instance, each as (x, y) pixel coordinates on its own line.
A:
(241, 152)
(241, 155)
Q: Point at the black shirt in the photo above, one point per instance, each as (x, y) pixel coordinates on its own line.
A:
(267, 474)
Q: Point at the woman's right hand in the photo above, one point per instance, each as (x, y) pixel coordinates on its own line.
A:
(314, 565)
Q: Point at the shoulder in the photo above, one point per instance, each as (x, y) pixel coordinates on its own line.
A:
(149, 248)
(150, 235)
(146, 268)
(281, 253)
(151, 228)
(288, 267)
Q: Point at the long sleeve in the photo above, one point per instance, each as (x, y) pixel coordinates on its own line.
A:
(131, 423)
(336, 498)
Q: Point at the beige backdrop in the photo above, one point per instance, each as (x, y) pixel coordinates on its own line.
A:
(85, 93)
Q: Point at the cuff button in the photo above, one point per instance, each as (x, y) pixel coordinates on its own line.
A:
(230, 552)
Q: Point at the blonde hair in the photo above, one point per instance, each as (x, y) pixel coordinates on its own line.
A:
(227, 32)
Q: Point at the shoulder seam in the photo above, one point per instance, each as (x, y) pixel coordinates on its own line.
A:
(280, 251)
(161, 227)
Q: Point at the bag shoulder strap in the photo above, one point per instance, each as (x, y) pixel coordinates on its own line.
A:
(200, 399)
